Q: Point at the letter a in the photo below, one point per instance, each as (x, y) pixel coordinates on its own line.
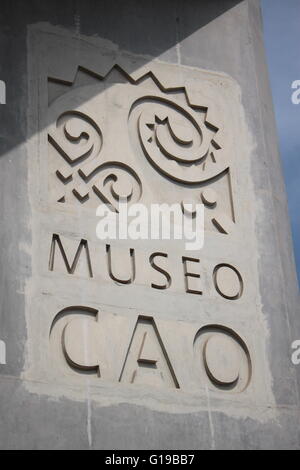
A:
(147, 362)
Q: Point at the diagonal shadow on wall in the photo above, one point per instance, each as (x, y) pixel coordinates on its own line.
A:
(149, 28)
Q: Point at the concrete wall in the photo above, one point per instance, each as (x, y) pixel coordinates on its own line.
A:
(52, 397)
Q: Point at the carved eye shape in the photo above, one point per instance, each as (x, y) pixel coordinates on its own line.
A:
(178, 137)
(175, 139)
(173, 130)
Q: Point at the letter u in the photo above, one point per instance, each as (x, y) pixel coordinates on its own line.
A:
(124, 280)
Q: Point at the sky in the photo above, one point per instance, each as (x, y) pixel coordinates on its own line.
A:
(282, 42)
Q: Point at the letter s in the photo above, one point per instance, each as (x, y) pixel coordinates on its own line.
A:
(296, 95)
(296, 354)
(160, 270)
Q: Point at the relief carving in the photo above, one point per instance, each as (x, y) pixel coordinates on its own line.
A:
(76, 337)
(96, 150)
(177, 142)
(63, 261)
(80, 339)
(228, 281)
(170, 135)
(78, 140)
(222, 357)
(119, 264)
(147, 361)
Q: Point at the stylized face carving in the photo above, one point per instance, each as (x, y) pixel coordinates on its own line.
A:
(108, 140)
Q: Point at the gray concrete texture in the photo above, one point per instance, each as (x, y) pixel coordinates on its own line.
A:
(96, 357)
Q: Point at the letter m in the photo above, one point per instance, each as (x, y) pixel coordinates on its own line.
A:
(58, 259)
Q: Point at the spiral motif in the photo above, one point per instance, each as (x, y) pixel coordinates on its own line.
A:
(77, 137)
(175, 140)
(116, 183)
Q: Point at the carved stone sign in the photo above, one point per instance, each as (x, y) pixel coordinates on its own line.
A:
(140, 317)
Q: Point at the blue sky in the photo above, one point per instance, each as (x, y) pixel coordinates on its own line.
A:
(282, 40)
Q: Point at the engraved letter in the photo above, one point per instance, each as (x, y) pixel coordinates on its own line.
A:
(147, 362)
(160, 270)
(83, 244)
(188, 274)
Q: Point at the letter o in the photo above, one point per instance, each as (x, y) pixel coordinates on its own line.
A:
(228, 282)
